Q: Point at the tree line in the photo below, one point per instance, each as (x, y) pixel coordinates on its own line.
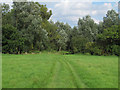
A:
(26, 28)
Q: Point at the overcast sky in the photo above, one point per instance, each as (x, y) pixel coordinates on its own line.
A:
(69, 11)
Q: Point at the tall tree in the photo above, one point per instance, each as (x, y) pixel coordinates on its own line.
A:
(28, 20)
(110, 19)
(10, 39)
(88, 28)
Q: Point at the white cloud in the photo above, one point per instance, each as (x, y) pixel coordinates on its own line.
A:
(72, 11)
(94, 12)
(96, 20)
(72, 18)
(81, 8)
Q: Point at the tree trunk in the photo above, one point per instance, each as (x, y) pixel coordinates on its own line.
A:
(60, 49)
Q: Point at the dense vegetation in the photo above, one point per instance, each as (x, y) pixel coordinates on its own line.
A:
(26, 28)
(50, 70)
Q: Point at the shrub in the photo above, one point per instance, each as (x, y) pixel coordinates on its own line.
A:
(78, 44)
(87, 54)
(108, 50)
(88, 46)
(115, 49)
(92, 48)
(36, 51)
(97, 51)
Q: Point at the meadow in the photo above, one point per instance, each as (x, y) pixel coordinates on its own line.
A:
(53, 70)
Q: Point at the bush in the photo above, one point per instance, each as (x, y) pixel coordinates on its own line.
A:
(63, 52)
(87, 54)
(112, 50)
(88, 46)
(78, 44)
(36, 51)
(97, 51)
(10, 41)
(92, 48)
(108, 50)
(115, 50)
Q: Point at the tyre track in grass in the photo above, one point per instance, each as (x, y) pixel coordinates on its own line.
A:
(66, 66)
(46, 80)
(49, 80)
(53, 81)
(76, 79)
(54, 76)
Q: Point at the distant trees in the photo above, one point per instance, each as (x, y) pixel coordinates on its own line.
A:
(111, 18)
(62, 31)
(85, 32)
(27, 18)
(26, 28)
(10, 39)
(53, 35)
(109, 40)
(88, 28)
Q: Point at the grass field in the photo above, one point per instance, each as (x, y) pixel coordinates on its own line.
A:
(47, 70)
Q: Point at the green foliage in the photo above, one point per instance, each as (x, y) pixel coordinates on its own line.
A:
(53, 35)
(110, 19)
(62, 40)
(36, 52)
(31, 31)
(115, 50)
(63, 32)
(110, 33)
(94, 49)
(78, 44)
(108, 39)
(88, 28)
(5, 9)
(27, 18)
(10, 39)
(29, 22)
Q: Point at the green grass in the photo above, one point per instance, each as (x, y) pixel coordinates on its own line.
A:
(47, 70)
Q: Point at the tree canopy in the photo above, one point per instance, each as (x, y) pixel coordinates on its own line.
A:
(27, 27)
